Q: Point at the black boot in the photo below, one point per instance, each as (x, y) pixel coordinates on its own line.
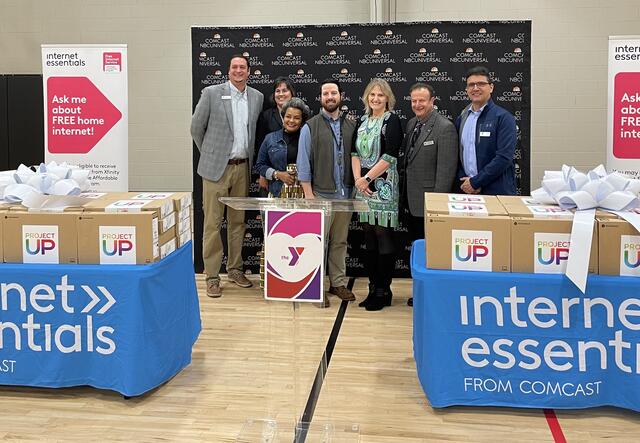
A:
(371, 265)
(378, 302)
(366, 301)
(386, 266)
(388, 295)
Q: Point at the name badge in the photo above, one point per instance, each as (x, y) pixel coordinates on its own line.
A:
(226, 97)
(428, 143)
(485, 134)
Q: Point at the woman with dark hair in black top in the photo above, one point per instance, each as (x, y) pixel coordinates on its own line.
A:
(271, 119)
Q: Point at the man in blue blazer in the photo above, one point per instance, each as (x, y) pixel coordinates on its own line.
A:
(223, 128)
(487, 135)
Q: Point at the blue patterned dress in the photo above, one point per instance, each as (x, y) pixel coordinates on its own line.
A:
(379, 138)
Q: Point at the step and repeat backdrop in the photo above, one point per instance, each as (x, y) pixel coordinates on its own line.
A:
(438, 53)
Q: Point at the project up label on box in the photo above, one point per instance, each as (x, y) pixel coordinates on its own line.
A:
(40, 244)
(152, 196)
(467, 208)
(550, 252)
(454, 198)
(549, 211)
(630, 255)
(117, 245)
(471, 250)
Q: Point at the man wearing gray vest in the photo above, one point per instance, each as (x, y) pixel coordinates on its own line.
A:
(324, 170)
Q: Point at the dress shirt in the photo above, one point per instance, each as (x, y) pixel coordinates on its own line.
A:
(468, 140)
(240, 108)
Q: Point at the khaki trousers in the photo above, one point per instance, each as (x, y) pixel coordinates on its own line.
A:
(233, 183)
(338, 230)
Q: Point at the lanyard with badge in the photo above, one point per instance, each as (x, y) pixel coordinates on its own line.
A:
(338, 141)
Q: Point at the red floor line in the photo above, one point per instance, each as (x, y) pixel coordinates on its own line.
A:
(554, 426)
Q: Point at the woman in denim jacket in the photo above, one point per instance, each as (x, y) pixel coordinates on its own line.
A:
(280, 148)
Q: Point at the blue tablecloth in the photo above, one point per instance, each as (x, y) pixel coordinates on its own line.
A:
(121, 327)
(525, 340)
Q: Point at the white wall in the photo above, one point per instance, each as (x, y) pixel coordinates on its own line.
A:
(158, 36)
(569, 70)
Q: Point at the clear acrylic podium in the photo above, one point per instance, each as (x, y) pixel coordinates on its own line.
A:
(282, 427)
(261, 204)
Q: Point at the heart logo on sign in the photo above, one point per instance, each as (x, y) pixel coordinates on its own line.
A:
(293, 258)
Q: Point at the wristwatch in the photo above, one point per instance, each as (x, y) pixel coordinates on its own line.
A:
(275, 175)
(367, 178)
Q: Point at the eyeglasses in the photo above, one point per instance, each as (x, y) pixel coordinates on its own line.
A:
(478, 84)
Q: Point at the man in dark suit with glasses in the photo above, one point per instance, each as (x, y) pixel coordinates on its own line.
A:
(487, 140)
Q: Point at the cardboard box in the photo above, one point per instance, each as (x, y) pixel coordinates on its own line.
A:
(183, 225)
(619, 248)
(518, 200)
(606, 215)
(538, 211)
(184, 238)
(40, 237)
(21, 208)
(180, 199)
(161, 208)
(122, 238)
(166, 236)
(468, 243)
(94, 195)
(541, 245)
(459, 198)
(167, 248)
(489, 208)
(184, 213)
(168, 222)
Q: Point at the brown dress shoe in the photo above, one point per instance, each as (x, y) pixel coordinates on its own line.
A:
(239, 279)
(342, 292)
(213, 288)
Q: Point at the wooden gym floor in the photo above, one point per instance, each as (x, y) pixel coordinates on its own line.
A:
(257, 360)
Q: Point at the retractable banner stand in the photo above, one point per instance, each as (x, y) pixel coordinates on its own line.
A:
(85, 111)
(623, 116)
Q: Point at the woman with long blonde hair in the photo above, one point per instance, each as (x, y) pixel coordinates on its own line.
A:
(374, 161)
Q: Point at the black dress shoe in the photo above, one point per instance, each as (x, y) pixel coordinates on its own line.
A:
(410, 301)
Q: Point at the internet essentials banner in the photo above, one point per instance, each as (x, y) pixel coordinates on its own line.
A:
(127, 328)
(525, 340)
(86, 111)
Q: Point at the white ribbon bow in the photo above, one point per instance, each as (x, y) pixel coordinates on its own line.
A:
(571, 189)
(50, 179)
